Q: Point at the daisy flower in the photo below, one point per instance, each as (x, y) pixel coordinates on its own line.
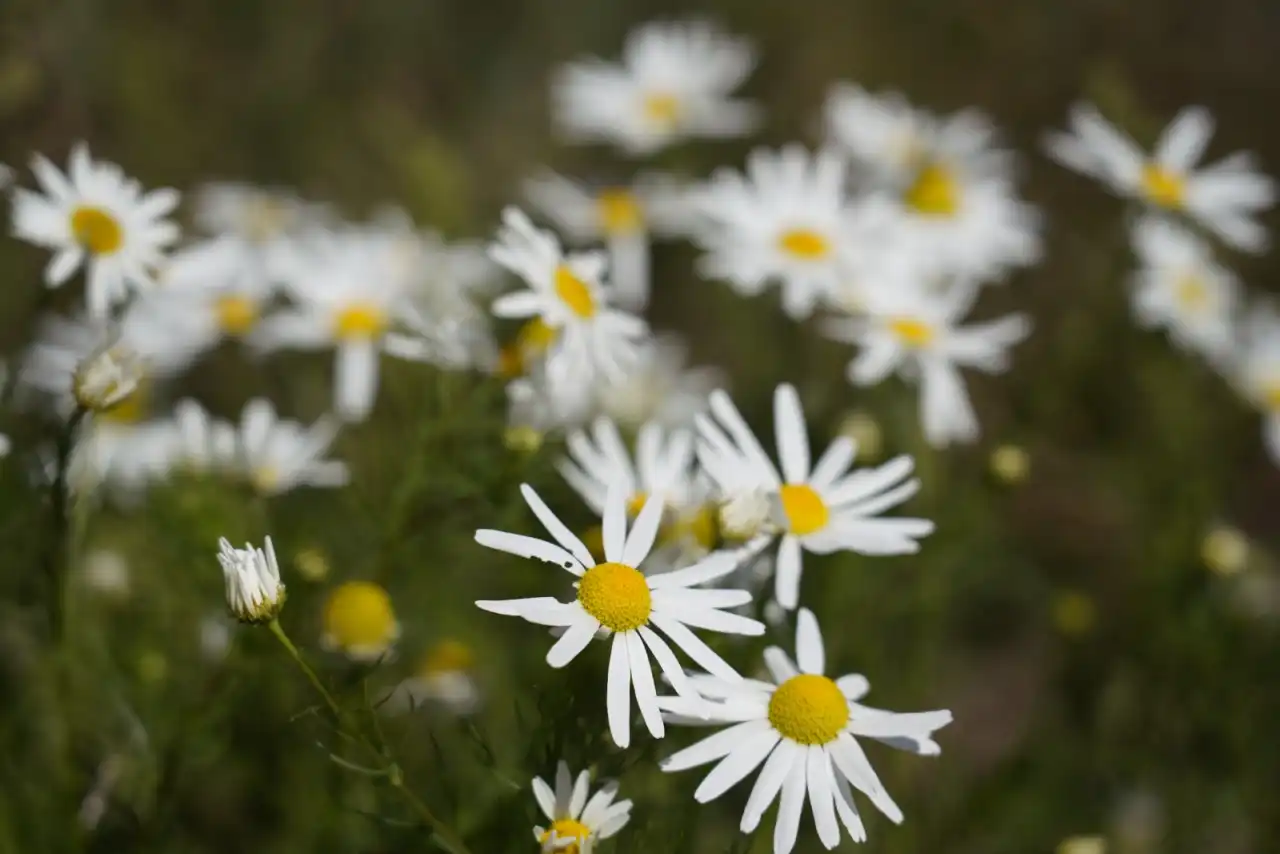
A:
(444, 676)
(122, 453)
(1256, 370)
(277, 455)
(567, 293)
(884, 135)
(674, 83)
(95, 216)
(820, 509)
(359, 621)
(914, 329)
(615, 598)
(1182, 288)
(199, 442)
(788, 221)
(255, 215)
(577, 822)
(659, 387)
(1224, 197)
(346, 288)
(804, 728)
(545, 401)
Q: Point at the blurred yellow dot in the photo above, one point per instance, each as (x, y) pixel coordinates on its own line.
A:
(359, 621)
(1074, 613)
(447, 656)
(865, 431)
(522, 439)
(1083, 845)
(312, 564)
(152, 667)
(1225, 551)
(1010, 464)
(593, 539)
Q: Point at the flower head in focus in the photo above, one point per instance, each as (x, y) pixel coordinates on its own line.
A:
(674, 83)
(914, 328)
(1223, 197)
(615, 598)
(1182, 288)
(278, 455)
(577, 821)
(788, 221)
(254, 591)
(803, 727)
(591, 337)
(821, 508)
(96, 216)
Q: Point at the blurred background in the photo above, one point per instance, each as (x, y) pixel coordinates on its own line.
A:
(1098, 606)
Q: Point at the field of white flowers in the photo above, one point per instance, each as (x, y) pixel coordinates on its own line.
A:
(565, 427)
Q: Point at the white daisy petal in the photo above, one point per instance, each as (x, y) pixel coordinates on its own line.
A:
(528, 547)
(572, 642)
(642, 681)
(714, 747)
(772, 776)
(789, 811)
(793, 440)
(643, 532)
(615, 524)
(545, 797)
(619, 692)
(809, 652)
(695, 648)
(555, 527)
(821, 796)
(745, 757)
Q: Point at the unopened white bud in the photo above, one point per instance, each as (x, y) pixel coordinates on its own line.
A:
(106, 377)
(743, 515)
(254, 591)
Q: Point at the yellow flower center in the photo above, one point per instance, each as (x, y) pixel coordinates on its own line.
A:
(636, 503)
(617, 595)
(805, 244)
(532, 341)
(808, 709)
(574, 293)
(359, 617)
(236, 314)
(912, 332)
(1271, 397)
(359, 321)
(805, 510)
(131, 410)
(619, 211)
(662, 109)
(567, 828)
(265, 479)
(96, 230)
(935, 192)
(1192, 293)
(448, 656)
(593, 539)
(1162, 187)
(702, 526)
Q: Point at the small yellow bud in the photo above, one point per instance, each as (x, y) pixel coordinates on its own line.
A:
(1010, 464)
(522, 439)
(1225, 551)
(312, 565)
(865, 431)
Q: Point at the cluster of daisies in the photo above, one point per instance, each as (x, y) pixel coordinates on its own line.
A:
(1182, 209)
(885, 235)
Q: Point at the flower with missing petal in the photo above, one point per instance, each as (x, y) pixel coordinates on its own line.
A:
(616, 599)
(802, 727)
(98, 217)
(254, 591)
(577, 822)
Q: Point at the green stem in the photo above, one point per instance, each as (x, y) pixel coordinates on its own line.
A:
(55, 562)
(278, 631)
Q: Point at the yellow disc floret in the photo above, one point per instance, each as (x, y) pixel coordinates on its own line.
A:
(566, 828)
(236, 314)
(934, 192)
(617, 595)
(359, 321)
(808, 709)
(619, 211)
(912, 332)
(1162, 187)
(359, 619)
(662, 109)
(805, 244)
(96, 230)
(805, 510)
(574, 293)
(447, 656)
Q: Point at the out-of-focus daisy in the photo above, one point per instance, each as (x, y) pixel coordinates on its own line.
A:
(106, 571)
(787, 221)
(278, 455)
(255, 215)
(215, 637)
(359, 621)
(1256, 370)
(443, 676)
(97, 364)
(615, 598)
(914, 328)
(577, 822)
(568, 294)
(620, 216)
(659, 387)
(884, 135)
(96, 216)
(803, 727)
(546, 401)
(1181, 288)
(821, 508)
(254, 591)
(1224, 197)
(346, 288)
(674, 83)
(200, 442)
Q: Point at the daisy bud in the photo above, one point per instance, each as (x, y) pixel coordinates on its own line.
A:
(254, 591)
(1010, 464)
(744, 515)
(106, 377)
